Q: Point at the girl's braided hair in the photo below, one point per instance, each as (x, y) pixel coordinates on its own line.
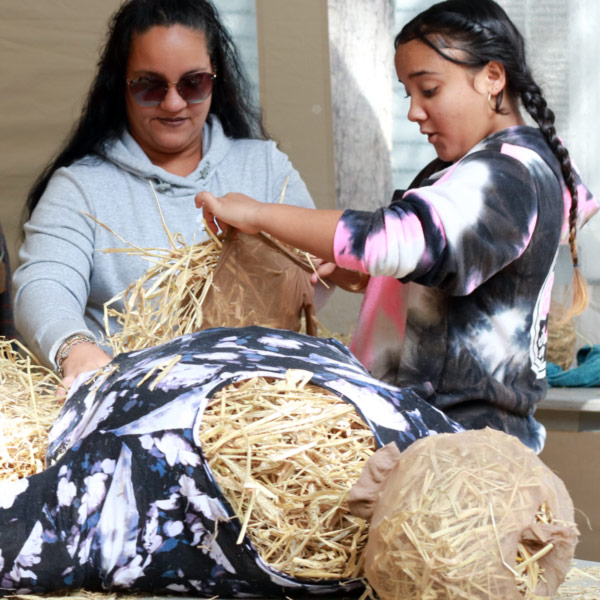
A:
(483, 32)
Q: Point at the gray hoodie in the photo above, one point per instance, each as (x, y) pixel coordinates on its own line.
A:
(64, 279)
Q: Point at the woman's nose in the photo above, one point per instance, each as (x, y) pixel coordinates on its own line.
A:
(173, 101)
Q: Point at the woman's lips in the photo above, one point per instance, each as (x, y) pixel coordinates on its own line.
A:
(177, 122)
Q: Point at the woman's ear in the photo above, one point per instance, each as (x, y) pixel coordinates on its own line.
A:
(491, 79)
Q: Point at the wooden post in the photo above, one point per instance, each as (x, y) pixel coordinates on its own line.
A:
(295, 91)
(325, 76)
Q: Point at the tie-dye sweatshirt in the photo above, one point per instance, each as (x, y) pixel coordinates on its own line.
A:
(477, 240)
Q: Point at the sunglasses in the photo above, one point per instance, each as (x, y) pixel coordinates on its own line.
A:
(151, 90)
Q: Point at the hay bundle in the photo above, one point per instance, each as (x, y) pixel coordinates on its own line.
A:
(561, 337)
(259, 282)
(166, 301)
(234, 282)
(28, 408)
(285, 454)
(470, 515)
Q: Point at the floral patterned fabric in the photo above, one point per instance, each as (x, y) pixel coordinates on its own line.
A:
(129, 503)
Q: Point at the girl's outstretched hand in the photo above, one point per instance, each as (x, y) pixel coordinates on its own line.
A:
(238, 210)
(308, 229)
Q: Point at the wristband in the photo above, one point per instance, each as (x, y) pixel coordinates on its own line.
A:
(65, 349)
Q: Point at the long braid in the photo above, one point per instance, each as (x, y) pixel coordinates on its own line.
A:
(535, 104)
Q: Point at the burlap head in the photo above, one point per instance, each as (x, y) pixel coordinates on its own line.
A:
(458, 516)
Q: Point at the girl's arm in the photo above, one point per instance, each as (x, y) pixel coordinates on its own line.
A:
(308, 229)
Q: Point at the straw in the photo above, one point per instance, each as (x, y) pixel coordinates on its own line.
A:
(562, 336)
(28, 407)
(166, 302)
(285, 454)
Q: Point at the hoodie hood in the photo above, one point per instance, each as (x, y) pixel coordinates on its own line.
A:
(126, 154)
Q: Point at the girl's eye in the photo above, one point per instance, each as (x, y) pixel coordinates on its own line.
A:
(430, 92)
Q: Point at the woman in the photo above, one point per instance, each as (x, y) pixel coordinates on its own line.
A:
(476, 235)
(169, 113)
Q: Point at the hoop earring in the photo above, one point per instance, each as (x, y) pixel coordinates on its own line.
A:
(492, 105)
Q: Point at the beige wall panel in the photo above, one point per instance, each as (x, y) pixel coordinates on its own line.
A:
(573, 456)
(295, 93)
(48, 53)
(293, 50)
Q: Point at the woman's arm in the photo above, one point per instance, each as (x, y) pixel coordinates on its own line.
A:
(57, 257)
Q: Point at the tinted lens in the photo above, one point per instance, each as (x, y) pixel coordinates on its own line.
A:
(148, 91)
(195, 87)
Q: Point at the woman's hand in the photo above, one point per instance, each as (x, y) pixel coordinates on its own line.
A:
(237, 210)
(82, 358)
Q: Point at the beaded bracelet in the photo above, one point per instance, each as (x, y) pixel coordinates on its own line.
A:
(65, 349)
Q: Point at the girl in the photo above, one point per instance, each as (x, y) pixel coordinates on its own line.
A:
(476, 235)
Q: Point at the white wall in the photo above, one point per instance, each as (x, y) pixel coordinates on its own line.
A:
(239, 17)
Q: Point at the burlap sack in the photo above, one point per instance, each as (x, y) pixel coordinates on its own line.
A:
(456, 511)
(258, 281)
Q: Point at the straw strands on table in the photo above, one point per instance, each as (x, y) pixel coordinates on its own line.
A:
(285, 454)
(28, 407)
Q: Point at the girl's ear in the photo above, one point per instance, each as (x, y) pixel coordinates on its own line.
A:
(491, 79)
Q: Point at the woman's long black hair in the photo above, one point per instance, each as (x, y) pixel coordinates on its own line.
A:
(484, 32)
(104, 116)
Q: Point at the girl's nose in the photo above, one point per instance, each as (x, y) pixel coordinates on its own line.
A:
(416, 113)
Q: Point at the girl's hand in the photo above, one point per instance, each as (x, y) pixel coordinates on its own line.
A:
(307, 229)
(324, 270)
(238, 210)
(82, 358)
(351, 281)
